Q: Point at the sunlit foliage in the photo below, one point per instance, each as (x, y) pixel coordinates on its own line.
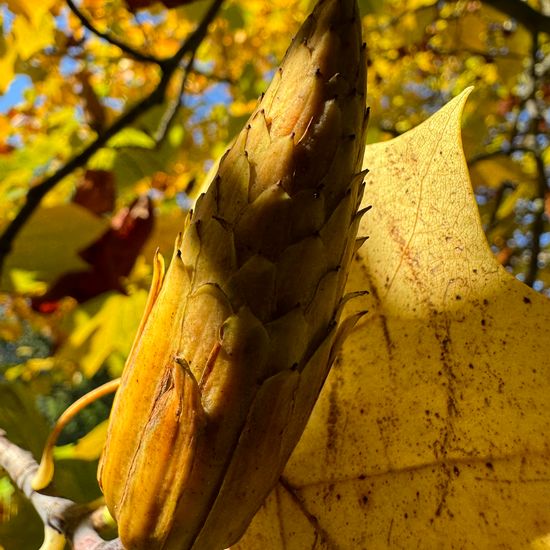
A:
(75, 275)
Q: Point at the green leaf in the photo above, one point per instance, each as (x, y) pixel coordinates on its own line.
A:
(131, 137)
(234, 15)
(370, 6)
(23, 529)
(20, 419)
(110, 329)
(48, 244)
(86, 448)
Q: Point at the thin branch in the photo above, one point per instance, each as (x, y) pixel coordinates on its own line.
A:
(498, 153)
(472, 51)
(86, 538)
(501, 193)
(131, 52)
(538, 226)
(157, 96)
(171, 112)
(388, 129)
(194, 41)
(21, 467)
(523, 13)
(407, 12)
(58, 514)
(487, 155)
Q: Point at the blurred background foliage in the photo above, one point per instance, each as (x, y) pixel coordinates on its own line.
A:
(75, 274)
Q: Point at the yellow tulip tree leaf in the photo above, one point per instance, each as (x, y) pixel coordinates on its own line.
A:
(48, 244)
(8, 57)
(102, 332)
(87, 447)
(432, 429)
(34, 35)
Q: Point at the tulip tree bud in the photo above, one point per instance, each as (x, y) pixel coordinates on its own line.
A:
(240, 333)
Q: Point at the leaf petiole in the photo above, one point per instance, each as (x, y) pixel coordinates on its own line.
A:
(44, 474)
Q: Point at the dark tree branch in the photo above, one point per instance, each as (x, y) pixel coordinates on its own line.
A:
(194, 41)
(498, 153)
(391, 130)
(537, 229)
(85, 537)
(523, 13)
(395, 20)
(156, 97)
(173, 109)
(59, 515)
(501, 193)
(471, 52)
(128, 50)
(538, 225)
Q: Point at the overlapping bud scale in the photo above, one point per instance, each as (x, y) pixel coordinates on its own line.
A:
(240, 333)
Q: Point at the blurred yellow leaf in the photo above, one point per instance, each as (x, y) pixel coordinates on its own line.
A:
(25, 282)
(415, 4)
(494, 171)
(10, 328)
(108, 330)
(424, 61)
(31, 9)
(167, 225)
(48, 244)
(468, 31)
(86, 448)
(7, 72)
(525, 190)
(34, 35)
(432, 429)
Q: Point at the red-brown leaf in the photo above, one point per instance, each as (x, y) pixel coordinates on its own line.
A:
(96, 191)
(111, 258)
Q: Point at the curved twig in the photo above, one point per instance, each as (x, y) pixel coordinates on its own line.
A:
(127, 49)
(59, 515)
(171, 112)
(523, 13)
